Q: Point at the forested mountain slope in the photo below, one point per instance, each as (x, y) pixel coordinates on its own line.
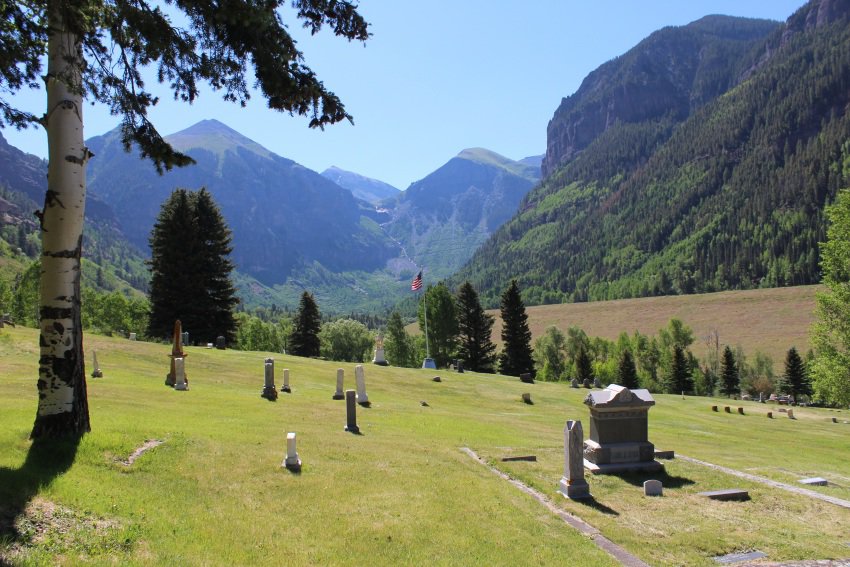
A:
(728, 197)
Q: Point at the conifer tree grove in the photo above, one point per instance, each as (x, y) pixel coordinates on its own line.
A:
(190, 270)
(729, 379)
(475, 346)
(304, 340)
(626, 371)
(516, 356)
(796, 381)
(96, 51)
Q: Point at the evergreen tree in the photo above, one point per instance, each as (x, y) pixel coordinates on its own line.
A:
(516, 356)
(680, 378)
(796, 381)
(626, 371)
(442, 323)
(304, 340)
(831, 331)
(190, 269)
(98, 50)
(729, 379)
(475, 347)
(399, 347)
(584, 367)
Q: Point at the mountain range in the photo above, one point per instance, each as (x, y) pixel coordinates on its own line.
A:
(700, 160)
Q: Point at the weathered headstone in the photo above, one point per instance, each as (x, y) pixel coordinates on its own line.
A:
(269, 389)
(291, 462)
(176, 352)
(790, 413)
(360, 381)
(185, 337)
(741, 411)
(727, 409)
(132, 336)
(770, 414)
(814, 481)
(527, 399)
(574, 383)
(834, 420)
(220, 342)
(572, 484)
(761, 397)
(340, 375)
(727, 494)
(586, 383)
(459, 366)
(286, 387)
(713, 408)
(380, 357)
(351, 412)
(668, 454)
(180, 375)
(619, 425)
(526, 378)
(436, 379)
(596, 382)
(653, 488)
(96, 373)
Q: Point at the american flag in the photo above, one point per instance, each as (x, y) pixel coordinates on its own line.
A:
(417, 283)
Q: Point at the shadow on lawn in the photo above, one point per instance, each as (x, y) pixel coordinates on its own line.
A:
(597, 505)
(45, 460)
(667, 481)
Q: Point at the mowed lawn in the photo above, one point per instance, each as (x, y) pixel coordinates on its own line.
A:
(403, 492)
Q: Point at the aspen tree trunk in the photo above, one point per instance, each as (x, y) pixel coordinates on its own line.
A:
(62, 400)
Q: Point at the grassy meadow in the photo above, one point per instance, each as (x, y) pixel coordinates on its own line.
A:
(403, 492)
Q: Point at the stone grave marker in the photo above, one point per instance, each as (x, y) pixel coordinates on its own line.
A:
(96, 373)
(834, 420)
(291, 462)
(360, 381)
(180, 375)
(574, 383)
(790, 413)
(380, 357)
(573, 485)
(436, 379)
(351, 412)
(526, 378)
(527, 399)
(269, 389)
(220, 342)
(814, 481)
(713, 408)
(739, 557)
(727, 409)
(132, 336)
(340, 375)
(619, 424)
(176, 352)
(653, 488)
(185, 337)
(741, 411)
(770, 414)
(728, 494)
(286, 387)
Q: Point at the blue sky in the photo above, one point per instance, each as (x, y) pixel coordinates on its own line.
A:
(436, 77)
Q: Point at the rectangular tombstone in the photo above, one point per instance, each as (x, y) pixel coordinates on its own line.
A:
(653, 488)
(291, 462)
(351, 412)
(360, 381)
(340, 376)
(619, 426)
(180, 374)
(269, 389)
(286, 387)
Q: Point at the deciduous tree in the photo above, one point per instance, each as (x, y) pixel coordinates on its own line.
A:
(95, 51)
(442, 323)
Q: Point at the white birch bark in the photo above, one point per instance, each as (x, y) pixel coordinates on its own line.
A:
(62, 404)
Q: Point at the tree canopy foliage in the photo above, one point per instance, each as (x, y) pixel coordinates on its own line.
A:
(517, 356)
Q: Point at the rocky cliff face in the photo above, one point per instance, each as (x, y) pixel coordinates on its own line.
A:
(666, 76)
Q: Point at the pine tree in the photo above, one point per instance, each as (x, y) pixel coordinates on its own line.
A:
(190, 269)
(399, 347)
(626, 371)
(680, 378)
(584, 367)
(304, 340)
(475, 347)
(516, 356)
(98, 50)
(729, 379)
(796, 381)
(442, 323)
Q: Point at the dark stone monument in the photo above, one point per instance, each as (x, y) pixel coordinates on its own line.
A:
(269, 389)
(176, 352)
(459, 366)
(220, 342)
(619, 420)
(351, 411)
(526, 378)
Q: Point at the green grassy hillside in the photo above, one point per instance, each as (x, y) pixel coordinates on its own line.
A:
(403, 492)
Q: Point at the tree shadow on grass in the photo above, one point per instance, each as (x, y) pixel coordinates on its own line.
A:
(46, 460)
(667, 481)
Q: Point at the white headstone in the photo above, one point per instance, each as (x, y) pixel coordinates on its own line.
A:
(340, 375)
(572, 484)
(292, 462)
(180, 374)
(132, 336)
(360, 379)
(653, 488)
(269, 373)
(286, 387)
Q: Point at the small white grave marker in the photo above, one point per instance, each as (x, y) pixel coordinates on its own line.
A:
(180, 374)
(360, 379)
(292, 462)
(653, 488)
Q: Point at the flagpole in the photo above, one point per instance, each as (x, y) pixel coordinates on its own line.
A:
(416, 285)
(425, 310)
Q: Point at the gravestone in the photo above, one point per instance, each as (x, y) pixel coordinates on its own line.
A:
(436, 379)
(713, 408)
(339, 394)
(741, 411)
(834, 420)
(220, 342)
(527, 399)
(573, 485)
(286, 387)
(727, 409)
(761, 397)
(380, 357)
(790, 413)
(176, 352)
(291, 462)
(619, 424)
(574, 383)
(132, 336)
(185, 337)
(351, 412)
(814, 481)
(526, 378)
(770, 414)
(727, 494)
(653, 488)
(360, 382)
(269, 389)
(596, 382)
(180, 375)
(96, 373)
(586, 383)
(459, 366)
